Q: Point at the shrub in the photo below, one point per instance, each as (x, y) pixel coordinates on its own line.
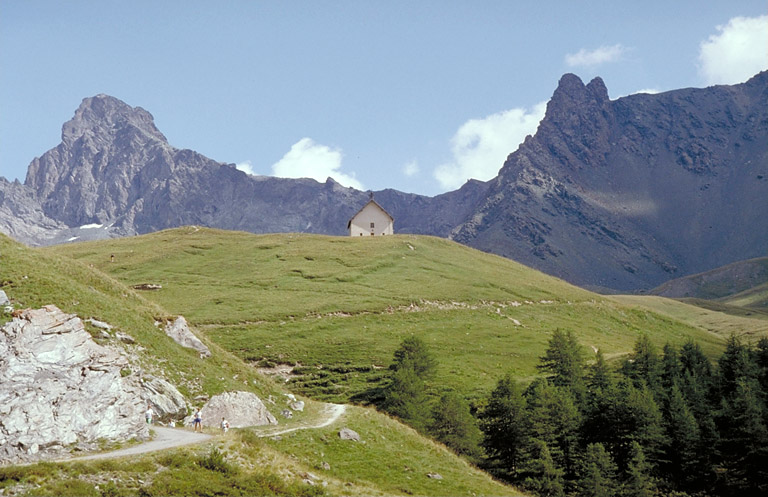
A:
(216, 461)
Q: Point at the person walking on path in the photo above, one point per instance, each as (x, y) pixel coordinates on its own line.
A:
(224, 424)
(198, 421)
(149, 413)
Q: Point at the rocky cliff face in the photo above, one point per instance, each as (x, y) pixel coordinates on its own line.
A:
(609, 194)
(629, 193)
(61, 389)
(115, 170)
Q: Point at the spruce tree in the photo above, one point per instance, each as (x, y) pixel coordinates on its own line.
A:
(504, 424)
(414, 352)
(541, 474)
(553, 418)
(564, 362)
(644, 365)
(599, 375)
(639, 482)
(761, 361)
(644, 422)
(671, 369)
(744, 438)
(406, 397)
(682, 451)
(455, 426)
(597, 474)
(736, 362)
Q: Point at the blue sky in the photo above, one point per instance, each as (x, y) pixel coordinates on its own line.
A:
(417, 96)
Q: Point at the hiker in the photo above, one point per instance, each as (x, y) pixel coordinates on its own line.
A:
(148, 415)
(198, 421)
(224, 424)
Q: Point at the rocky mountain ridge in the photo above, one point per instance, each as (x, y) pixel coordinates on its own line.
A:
(609, 194)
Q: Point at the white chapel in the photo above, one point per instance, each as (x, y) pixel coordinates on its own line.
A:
(371, 220)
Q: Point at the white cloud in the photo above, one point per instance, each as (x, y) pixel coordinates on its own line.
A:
(308, 159)
(600, 55)
(649, 91)
(736, 53)
(481, 146)
(411, 169)
(246, 167)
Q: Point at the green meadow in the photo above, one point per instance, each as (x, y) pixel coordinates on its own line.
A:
(336, 308)
(242, 462)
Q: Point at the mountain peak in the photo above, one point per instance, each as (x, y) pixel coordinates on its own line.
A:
(104, 115)
(572, 89)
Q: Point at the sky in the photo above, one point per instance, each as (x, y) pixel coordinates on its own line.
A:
(416, 96)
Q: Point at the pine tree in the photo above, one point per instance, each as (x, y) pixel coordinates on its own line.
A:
(414, 352)
(744, 442)
(597, 475)
(599, 376)
(541, 474)
(682, 451)
(761, 360)
(605, 414)
(455, 426)
(735, 363)
(644, 365)
(644, 422)
(554, 419)
(694, 362)
(698, 388)
(671, 369)
(639, 482)
(406, 397)
(504, 424)
(564, 362)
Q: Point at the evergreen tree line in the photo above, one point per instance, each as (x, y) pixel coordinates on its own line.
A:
(663, 423)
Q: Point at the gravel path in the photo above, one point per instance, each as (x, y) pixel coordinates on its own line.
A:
(332, 411)
(166, 438)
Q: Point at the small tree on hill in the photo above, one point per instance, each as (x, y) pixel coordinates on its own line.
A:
(413, 352)
(406, 398)
(455, 426)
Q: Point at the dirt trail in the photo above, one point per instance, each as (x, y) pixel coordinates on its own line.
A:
(168, 438)
(331, 414)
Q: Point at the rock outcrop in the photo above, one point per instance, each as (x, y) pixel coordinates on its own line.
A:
(241, 409)
(167, 402)
(625, 194)
(60, 389)
(181, 334)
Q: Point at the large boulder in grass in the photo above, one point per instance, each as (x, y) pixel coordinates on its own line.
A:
(241, 409)
(181, 334)
(60, 389)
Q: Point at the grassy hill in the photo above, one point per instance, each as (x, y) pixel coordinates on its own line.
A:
(337, 308)
(733, 288)
(252, 464)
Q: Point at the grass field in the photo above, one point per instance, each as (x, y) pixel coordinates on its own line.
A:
(338, 307)
(251, 465)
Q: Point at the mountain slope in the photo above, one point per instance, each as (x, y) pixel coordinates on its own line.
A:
(628, 193)
(338, 307)
(257, 465)
(609, 194)
(114, 167)
(743, 284)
